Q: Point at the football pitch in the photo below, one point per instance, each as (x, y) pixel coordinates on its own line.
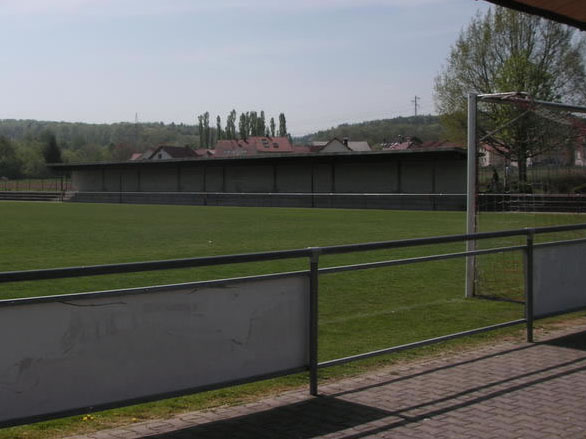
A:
(359, 311)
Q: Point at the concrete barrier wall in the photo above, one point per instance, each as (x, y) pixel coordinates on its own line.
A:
(95, 350)
(559, 279)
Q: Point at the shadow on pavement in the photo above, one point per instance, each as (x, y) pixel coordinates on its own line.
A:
(572, 341)
(308, 419)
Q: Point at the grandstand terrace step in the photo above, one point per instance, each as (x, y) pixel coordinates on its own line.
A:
(30, 196)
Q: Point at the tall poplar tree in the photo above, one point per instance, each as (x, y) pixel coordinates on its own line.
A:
(282, 125)
(51, 151)
(200, 131)
(219, 133)
(206, 129)
(242, 128)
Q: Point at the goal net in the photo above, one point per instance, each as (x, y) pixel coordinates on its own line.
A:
(527, 168)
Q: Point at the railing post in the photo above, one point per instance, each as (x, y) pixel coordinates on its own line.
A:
(471, 195)
(529, 285)
(313, 313)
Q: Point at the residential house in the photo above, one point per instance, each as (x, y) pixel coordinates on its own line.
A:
(337, 145)
(165, 152)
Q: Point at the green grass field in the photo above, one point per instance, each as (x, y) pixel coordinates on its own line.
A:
(359, 311)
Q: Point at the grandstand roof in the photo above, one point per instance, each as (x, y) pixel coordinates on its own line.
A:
(572, 12)
(276, 157)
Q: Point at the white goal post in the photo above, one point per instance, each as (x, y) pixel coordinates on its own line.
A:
(509, 98)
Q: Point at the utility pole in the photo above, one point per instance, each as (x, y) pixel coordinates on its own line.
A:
(135, 130)
(414, 101)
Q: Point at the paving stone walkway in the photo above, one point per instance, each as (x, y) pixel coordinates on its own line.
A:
(510, 390)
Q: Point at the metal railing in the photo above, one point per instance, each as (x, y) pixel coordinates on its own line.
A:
(314, 271)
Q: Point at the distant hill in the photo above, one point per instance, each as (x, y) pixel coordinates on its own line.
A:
(73, 135)
(22, 142)
(381, 131)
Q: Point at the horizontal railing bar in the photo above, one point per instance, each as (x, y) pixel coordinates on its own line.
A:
(413, 242)
(365, 266)
(554, 229)
(133, 267)
(402, 243)
(416, 344)
(560, 243)
(61, 298)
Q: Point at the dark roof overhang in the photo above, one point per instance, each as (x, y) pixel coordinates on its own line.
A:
(416, 154)
(571, 12)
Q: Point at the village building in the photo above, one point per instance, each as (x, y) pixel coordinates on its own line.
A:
(166, 152)
(337, 145)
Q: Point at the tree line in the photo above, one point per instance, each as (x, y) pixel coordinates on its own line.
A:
(22, 142)
(26, 145)
(377, 132)
(250, 124)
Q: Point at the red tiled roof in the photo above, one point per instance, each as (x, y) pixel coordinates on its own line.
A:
(252, 145)
(302, 149)
(417, 144)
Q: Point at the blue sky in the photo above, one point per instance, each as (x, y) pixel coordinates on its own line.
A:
(321, 62)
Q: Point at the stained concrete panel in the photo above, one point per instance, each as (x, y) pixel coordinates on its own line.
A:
(192, 179)
(112, 181)
(159, 179)
(559, 278)
(366, 177)
(250, 178)
(78, 352)
(294, 178)
(450, 177)
(87, 180)
(214, 179)
(130, 180)
(323, 178)
(417, 177)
